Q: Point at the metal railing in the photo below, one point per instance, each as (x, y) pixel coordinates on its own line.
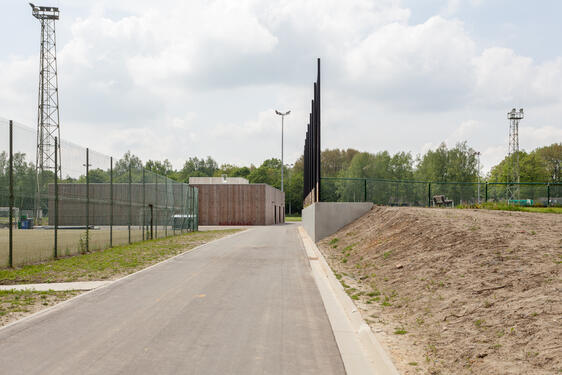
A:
(420, 193)
(98, 202)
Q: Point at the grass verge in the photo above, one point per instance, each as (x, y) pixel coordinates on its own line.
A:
(109, 263)
(15, 304)
(293, 218)
(506, 207)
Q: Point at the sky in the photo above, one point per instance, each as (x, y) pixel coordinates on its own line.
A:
(173, 79)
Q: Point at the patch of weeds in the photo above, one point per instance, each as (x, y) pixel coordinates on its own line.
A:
(500, 333)
(344, 285)
(344, 260)
(348, 248)
(420, 320)
(533, 232)
(413, 363)
(400, 331)
(374, 293)
(488, 304)
(355, 297)
(386, 301)
(479, 323)
(386, 254)
(338, 276)
(334, 241)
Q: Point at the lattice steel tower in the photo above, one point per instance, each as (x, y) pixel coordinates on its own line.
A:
(513, 153)
(48, 107)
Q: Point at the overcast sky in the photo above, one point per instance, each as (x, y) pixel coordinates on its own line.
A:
(174, 79)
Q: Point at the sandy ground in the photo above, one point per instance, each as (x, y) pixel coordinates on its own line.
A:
(457, 291)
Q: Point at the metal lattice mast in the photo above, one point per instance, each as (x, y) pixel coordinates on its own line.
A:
(48, 100)
(513, 153)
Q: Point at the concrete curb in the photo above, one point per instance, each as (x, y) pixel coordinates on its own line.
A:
(78, 285)
(361, 352)
(60, 305)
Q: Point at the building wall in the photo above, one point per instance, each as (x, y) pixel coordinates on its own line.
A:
(233, 204)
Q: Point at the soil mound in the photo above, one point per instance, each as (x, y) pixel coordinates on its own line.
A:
(453, 291)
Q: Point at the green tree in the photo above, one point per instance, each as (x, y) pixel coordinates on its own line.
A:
(163, 168)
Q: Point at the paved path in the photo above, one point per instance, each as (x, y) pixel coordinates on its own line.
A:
(245, 304)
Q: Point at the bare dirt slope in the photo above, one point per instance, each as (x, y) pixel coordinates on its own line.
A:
(457, 291)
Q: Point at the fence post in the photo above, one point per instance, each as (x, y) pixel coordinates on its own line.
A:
(56, 213)
(486, 197)
(87, 199)
(111, 201)
(11, 197)
(429, 194)
(166, 210)
(365, 190)
(548, 195)
(183, 206)
(143, 207)
(156, 204)
(130, 205)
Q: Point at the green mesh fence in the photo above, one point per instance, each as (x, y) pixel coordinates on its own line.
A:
(421, 193)
(96, 201)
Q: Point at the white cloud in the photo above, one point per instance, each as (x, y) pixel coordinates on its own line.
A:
(425, 65)
(173, 79)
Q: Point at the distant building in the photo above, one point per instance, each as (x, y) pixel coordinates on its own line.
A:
(240, 204)
(218, 180)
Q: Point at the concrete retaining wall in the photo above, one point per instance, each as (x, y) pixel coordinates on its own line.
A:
(325, 218)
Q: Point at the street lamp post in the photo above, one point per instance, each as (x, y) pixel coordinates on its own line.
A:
(477, 153)
(282, 125)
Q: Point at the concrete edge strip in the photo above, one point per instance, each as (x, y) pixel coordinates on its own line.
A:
(359, 348)
(76, 285)
(60, 305)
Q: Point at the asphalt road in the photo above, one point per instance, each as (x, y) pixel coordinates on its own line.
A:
(241, 305)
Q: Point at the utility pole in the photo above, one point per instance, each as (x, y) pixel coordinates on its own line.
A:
(282, 126)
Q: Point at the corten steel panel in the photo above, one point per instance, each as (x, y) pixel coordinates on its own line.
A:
(226, 204)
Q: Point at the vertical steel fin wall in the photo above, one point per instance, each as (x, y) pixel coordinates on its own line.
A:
(312, 148)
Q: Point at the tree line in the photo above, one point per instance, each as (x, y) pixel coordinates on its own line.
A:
(458, 163)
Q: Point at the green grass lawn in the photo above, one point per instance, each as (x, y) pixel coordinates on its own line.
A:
(293, 218)
(505, 207)
(109, 263)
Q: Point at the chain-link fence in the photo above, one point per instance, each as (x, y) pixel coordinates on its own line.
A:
(421, 193)
(92, 203)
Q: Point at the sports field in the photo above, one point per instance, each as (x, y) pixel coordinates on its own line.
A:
(36, 245)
